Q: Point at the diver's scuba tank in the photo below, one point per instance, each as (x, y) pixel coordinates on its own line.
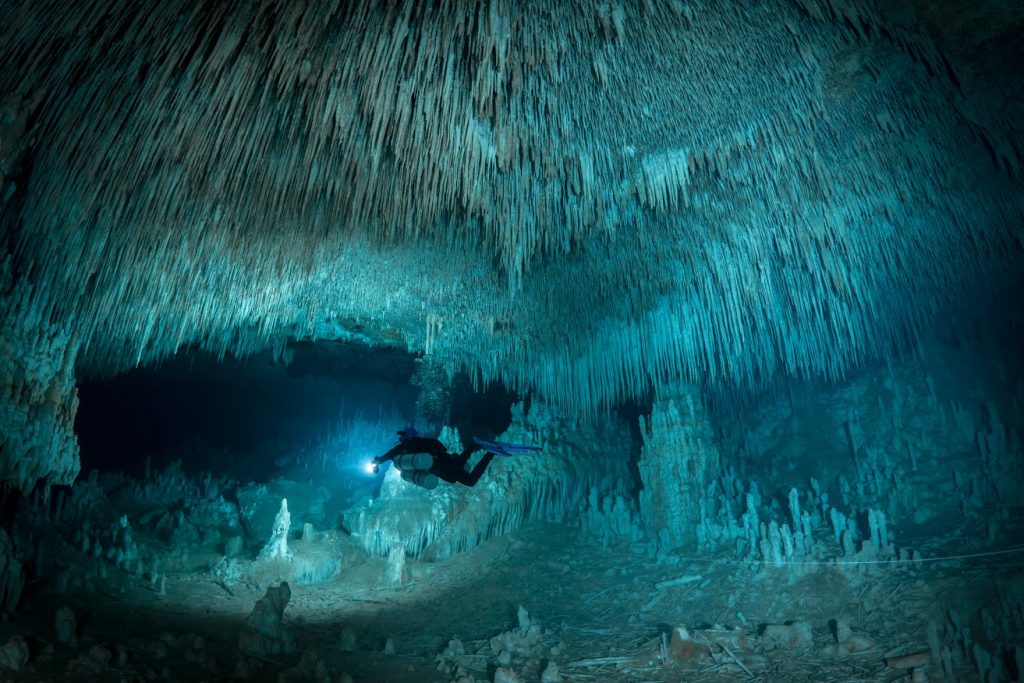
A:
(415, 469)
(421, 478)
(414, 461)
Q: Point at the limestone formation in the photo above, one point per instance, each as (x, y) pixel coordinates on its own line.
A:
(583, 204)
(14, 654)
(66, 625)
(678, 463)
(787, 636)
(12, 575)
(707, 250)
(395, 572)
(265, 632)
(277, 546)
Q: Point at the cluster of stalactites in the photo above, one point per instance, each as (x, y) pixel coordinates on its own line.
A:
(720, 193)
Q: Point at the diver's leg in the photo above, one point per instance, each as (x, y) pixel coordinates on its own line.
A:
(471, 478)
(463, 457)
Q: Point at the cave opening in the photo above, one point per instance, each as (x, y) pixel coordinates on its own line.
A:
(253, 418)
(319, 410)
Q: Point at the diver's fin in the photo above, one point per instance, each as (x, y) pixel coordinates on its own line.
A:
(517, 447)
(502, 448)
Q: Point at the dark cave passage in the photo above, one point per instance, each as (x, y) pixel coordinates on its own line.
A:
(248, 418)
(321, 410)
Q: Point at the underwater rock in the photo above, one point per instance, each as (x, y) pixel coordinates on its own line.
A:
(65, 625)
(847, 642)
(246, 669)
(38, 401)
(312, 564)
(233, 547)
(841, 630)
(857, 643)
(277, 546)
(265, 632)
(611, 518)
(395, 572)
(12, 575)
(505, 675)
(911, 661)
(14, 654)
(550, 674)
(456, 661)
(347, 640)
(523, 642)
(787, 636)
(682, 647)
(309, 668)
(451, 439)
(123, 550)
(100, 654)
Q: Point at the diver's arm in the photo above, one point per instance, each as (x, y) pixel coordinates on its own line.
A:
(390, 455)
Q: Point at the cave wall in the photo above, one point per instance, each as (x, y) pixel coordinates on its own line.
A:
(934, 441)
(38, 397)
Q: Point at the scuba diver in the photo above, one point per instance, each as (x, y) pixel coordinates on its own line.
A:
(423, 460)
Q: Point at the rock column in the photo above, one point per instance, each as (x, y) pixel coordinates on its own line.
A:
(678, 462)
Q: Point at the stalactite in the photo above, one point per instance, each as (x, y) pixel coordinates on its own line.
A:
(637, 203)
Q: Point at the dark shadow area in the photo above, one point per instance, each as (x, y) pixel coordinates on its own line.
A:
(244, 418)
(321, 408)
(635, 413)
(484, 414)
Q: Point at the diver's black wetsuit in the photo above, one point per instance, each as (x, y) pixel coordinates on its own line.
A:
(447, 466)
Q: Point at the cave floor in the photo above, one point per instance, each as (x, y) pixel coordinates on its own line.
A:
(601, 611)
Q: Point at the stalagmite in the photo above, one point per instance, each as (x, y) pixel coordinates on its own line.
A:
(679, 461)
(277, 546)
(65, 626)
(395, 572)
(265, 633)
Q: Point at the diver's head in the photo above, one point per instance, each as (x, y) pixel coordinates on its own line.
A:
(406, 433)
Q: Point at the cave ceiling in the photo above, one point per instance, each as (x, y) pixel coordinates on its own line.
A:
(581, 199)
